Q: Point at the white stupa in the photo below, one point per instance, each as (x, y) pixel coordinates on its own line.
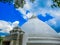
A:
(39, 33)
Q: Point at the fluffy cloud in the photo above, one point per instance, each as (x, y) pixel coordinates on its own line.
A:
(14, 24)
(7, 26)
(42, 7)
(37, 5)
(55, 22)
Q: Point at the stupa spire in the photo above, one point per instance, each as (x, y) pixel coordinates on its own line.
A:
(33, 16)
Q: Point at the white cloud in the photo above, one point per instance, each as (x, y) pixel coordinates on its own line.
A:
(22, 11)
(14, 24)
(52, 22)
(27, 16)
(27, 6)
(41, 7)
(55, 22)
(7, 26)
(37, 8)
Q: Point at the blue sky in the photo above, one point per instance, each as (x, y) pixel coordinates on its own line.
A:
(9, 14)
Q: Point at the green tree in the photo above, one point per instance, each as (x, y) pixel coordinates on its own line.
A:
(17, 3)
(56, 3)
(32, 1)
(1, 38)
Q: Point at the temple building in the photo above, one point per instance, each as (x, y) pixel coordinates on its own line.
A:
(15, 37)
(39, 33)
(33, 32)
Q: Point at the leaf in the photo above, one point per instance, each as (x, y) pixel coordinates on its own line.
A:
(32, 1)
(56, 3)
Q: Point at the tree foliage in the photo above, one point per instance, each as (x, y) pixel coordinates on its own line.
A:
(1, 38)
(17, 3)
(4, 1)
(56, 3)
(20, 3)
(32, 1)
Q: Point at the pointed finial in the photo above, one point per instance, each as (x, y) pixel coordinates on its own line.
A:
(33, 16)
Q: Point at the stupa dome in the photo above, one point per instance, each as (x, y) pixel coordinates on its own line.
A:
(35, 27)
